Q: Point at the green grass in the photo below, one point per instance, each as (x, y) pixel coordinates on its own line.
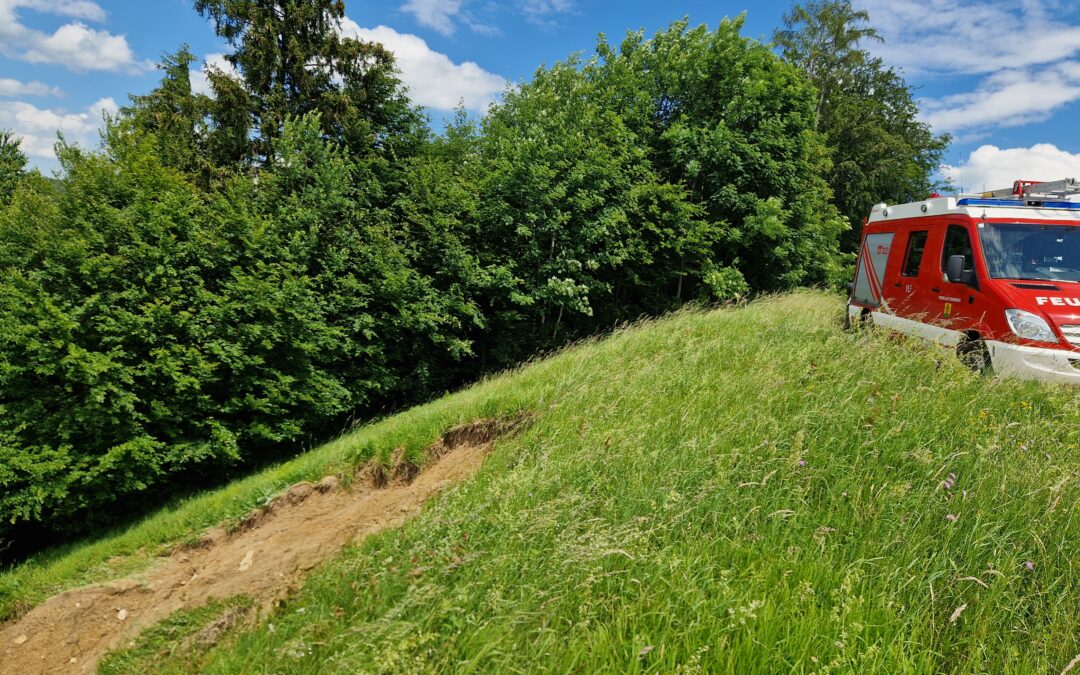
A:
(747, 490)
(180, 640)
(134, 548)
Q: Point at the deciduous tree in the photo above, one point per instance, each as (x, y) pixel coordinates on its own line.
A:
(865, 109)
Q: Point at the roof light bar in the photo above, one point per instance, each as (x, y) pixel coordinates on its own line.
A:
(1018, 203)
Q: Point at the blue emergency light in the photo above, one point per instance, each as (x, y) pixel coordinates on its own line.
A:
(1017, 202)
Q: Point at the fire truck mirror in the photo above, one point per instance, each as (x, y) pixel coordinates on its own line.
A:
(954, 269)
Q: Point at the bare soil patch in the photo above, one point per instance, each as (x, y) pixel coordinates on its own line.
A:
(264, 558)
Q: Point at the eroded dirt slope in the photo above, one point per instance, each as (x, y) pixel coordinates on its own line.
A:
(264, 558)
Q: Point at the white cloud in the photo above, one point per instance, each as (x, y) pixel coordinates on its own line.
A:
(950, 36)
(81, 48)
(1027, 53)
(9, 87)
(444, 16)
(992, 168)
(433, 79)
(38, 126)
(1005, 99)
(541, 7)
(436, 14)
(200, 82)
(73, 45)
(77, 9)
(540, 11)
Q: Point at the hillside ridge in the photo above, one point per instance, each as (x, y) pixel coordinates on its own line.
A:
(262, 558)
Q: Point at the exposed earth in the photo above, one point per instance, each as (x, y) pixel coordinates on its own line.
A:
(263, 558)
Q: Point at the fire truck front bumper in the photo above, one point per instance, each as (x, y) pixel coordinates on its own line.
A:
(1035, 363)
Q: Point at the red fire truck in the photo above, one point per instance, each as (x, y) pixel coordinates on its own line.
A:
(995, 276)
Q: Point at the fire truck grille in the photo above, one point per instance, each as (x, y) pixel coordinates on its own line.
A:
(1037, 287)
(1072, 333)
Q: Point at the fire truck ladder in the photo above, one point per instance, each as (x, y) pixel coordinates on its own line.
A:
(1029, 189)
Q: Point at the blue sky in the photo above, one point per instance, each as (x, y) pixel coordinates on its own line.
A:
(1002, 76)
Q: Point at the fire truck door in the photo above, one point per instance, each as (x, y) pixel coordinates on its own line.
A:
(907, 278)
(956, 304)
(870, 276)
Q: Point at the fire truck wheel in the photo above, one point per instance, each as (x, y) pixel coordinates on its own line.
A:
(866, 322)
(863, 323)
(973, 353)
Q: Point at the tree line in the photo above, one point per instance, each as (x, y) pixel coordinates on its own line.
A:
(235, 274)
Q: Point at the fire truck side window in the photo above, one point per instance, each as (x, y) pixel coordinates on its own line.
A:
(958, 242)
(916, 246)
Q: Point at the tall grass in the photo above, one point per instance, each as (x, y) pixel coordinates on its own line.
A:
(133, 548)
(747, 490)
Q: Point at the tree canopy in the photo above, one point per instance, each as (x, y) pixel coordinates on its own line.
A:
(12, 164)
(865, 109)
(233, 275)
(292, 60)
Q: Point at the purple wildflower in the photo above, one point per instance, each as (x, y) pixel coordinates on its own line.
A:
(802, 462)
(1030, 566)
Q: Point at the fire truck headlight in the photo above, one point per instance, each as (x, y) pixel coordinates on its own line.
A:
(1029, 326)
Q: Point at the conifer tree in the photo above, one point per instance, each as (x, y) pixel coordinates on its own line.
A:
(291, 59)
(12, 164)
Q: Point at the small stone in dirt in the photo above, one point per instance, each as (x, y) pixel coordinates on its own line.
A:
(21, 639)
(245, 564)
(298, 493)
(122, 615)
(73, 659)
(327, 484)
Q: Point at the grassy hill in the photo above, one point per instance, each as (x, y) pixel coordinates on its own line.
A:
(745, 490)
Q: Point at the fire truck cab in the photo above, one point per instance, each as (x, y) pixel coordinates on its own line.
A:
(995, 276)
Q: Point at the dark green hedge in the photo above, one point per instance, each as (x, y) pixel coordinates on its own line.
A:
(160, 319)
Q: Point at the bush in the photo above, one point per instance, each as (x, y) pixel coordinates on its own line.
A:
(150, 331)
(669, 170)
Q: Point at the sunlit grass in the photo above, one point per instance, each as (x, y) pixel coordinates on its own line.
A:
(748, 490)
(132, 548)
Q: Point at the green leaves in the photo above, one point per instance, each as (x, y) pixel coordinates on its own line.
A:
(881, 151)
(240, 273)
(292, 60)
(152, 332)
(12, 164)
(671, 169)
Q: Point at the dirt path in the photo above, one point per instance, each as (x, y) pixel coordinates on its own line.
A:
(264, 559)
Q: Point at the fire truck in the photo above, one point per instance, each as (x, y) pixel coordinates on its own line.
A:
(995, 276)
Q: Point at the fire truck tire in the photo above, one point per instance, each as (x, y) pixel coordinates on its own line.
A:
(973, 353)
(866, 322)
(863, 323)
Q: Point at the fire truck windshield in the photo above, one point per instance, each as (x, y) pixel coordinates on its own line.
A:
(1031, 251)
